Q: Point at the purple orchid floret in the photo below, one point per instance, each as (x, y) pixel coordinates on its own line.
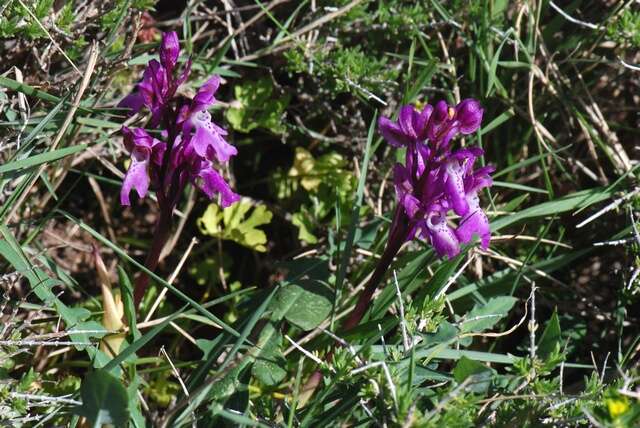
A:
(435, 180)
(145, 152)
(192, 147)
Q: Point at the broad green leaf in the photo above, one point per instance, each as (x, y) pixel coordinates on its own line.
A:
(269, 365)
(104, 400)
(446, 332)
(232, 223)
(481, 374)
(305, 303)
(550, 338)
(486, 316)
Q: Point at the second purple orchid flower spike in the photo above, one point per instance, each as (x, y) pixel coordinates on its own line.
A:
(435, 180)
(433, 183)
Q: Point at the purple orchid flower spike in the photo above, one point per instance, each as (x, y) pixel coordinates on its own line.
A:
(192, 150)
(433, 184)
(435, 180)
(196, 143)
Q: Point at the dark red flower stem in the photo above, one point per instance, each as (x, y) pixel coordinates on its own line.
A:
(161, 234)
(397, 236)
(166, 201)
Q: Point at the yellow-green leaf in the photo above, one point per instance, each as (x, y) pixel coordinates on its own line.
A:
(237, 223)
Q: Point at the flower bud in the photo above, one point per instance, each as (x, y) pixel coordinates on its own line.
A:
(469, 114)
(169, 50)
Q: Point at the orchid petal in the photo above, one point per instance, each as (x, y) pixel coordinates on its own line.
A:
(134, 102)
(421, 122)
(157, 151)
(442, 237)
(454, 187)
(405, 120)
(212, 183)
(391, 132)
(438, 117)
(186, 70)
(206, 136)
(205, 96)
(136, 138)
(474, 223)
(137, 177)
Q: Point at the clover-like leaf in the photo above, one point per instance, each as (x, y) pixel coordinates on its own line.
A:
(233, 223)
(255, 107)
